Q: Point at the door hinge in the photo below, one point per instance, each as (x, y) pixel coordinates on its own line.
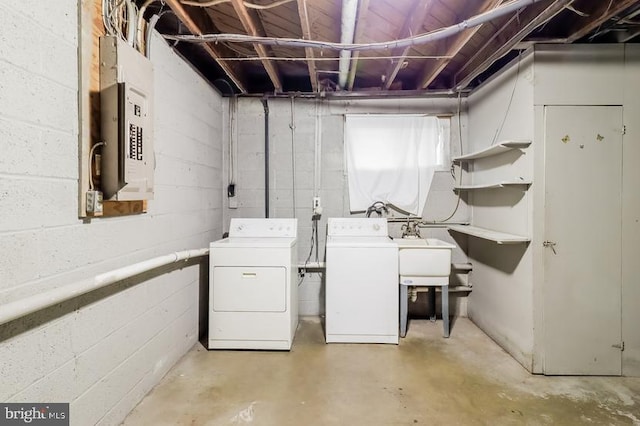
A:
(624, 130)
(619, 346)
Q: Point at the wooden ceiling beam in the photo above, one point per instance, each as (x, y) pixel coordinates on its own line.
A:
(303, 13)
(410, 27)
(602, 13)
(198, 28)
(433, 68)
(361, 23)
(253, 26)
(508, 36)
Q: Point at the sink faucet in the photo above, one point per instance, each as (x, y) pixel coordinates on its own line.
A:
(410, 229)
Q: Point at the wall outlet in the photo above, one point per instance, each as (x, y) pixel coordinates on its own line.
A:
(94, 203)
(317, 208)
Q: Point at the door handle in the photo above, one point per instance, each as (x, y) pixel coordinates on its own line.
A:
(550, 244)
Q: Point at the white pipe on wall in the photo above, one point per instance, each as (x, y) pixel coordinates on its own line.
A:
(348, 27)
(29, 305)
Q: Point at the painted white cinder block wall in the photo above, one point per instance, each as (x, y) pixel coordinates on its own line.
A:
(507, 301)
(501, 303)
(104, 351)
(332, 189)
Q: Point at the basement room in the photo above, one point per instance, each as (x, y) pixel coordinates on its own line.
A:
(319, 212)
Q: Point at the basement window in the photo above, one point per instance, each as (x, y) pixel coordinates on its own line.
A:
(392, 158)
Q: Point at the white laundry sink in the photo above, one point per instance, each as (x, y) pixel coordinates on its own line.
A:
(424, 257)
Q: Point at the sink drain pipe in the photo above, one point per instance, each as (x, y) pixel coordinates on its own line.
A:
(265, 104)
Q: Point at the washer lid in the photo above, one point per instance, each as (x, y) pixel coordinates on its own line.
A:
(249, 242)
(361, 242)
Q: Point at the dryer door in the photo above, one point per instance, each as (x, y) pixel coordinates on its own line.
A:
(249, 289)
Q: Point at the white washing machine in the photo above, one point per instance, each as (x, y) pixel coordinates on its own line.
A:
(253, 291)
(361, 282)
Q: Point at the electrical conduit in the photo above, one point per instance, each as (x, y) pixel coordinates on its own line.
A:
(265, 104)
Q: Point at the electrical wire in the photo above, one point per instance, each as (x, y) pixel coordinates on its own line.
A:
(266, 6)
(314, 243)
(233, 107)
(91, 152)
(506, 113)
(428, 37)
(204, 4)
(150, 26)
(305, 59)
(457, 206)
(246, 4)
(139, 33)
(576, 11)
(119, 18)
(314, 232)
(292, 126)
(596, 32)
(131, 22)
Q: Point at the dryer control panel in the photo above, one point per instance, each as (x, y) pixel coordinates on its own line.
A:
(357, 227)
(263, 228)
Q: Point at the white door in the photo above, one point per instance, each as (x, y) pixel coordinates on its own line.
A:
(582, 312)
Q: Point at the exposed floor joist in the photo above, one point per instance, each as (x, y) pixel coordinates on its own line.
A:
(434, 68)
(303, 13)
(516, 29)
(189, 20)
(361, 23)
(251, 23)
(410, 27)
(597, 17)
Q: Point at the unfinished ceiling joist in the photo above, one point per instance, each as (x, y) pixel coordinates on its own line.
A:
(512, 33)
(604, 11)
(409, 45)
(185, 17)
(433, 69)
(420, 39)
(253, 27)
(412, 25)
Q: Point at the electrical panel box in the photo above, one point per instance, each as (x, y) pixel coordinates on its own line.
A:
(126, 88)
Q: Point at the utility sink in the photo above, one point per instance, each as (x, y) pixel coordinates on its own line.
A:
(428, 257)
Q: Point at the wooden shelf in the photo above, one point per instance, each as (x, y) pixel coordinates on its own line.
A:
(494, 150)
(487, 234)
(490, 185)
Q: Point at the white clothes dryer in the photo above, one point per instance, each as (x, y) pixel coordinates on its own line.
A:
(253, 292)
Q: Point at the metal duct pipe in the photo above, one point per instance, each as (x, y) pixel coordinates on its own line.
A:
(29, 305)
(347, 31)
(265, 104)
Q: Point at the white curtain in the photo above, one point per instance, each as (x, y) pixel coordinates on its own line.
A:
(392, 158)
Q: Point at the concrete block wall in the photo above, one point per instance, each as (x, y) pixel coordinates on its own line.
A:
(104, 351)
(502, 301)
(332, 187)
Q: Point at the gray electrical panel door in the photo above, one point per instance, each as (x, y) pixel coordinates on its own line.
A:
(583, 206)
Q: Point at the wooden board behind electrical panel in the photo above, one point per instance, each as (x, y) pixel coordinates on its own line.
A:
(91, 29)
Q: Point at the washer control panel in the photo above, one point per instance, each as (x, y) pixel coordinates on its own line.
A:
(263, 228)
(357, 227)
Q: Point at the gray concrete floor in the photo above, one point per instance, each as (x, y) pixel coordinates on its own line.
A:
(428, 380)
